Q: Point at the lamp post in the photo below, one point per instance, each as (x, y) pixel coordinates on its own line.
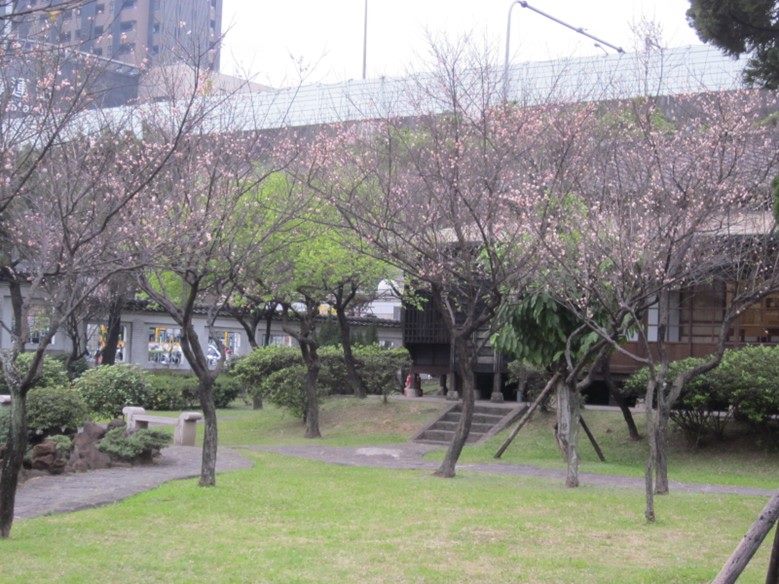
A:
(365, 40)
(578, 30)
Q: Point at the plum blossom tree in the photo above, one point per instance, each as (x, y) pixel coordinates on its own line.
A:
(202, 225)
(69, 171)
(677, 196)
(452, 195)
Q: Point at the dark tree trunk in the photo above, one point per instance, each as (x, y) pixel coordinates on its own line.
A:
(568, 413)
(312, 401)
(353, 378)
(269, 310)
(465, 359)
(649, 471)
(619, 399)
(208, 465)
(108, 355)
(250, 328)
(12, 459)
(661, 446)
(77, 341)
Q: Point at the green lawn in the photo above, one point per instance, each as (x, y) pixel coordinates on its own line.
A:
(292, 521)
(289, 520)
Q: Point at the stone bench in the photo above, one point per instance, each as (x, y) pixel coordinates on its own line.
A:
(5, 400)
(185, 424)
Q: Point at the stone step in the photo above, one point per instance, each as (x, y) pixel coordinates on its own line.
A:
(477, 418)
(452, 426)
(444, 436)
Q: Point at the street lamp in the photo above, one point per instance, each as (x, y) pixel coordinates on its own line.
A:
(578, 30)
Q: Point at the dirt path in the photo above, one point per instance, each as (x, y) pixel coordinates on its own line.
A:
(59, 494)
(410, 456)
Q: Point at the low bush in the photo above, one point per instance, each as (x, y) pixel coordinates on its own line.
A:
(140, 446)
(251, 370)
(64, 444)
(109, 388)
(54, 410)
(380, 368)
(287, 389)
(750, 378)
(52, 372)
(169, 391)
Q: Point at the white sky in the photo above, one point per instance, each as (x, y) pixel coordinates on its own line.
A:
(266, 39)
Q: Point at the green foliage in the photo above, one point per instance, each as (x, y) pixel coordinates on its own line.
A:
(64, 444)
(54, 410)
(52, 372)
(367, 337)
(329, 333)
(226, 389)
(742, 26)
(278, 373)
(252, 369)
(746, 383)
(286, 388)
(142, 445)
(109, 388)
(535, 331)
(530, 380)
(750, 378)
(169, 390)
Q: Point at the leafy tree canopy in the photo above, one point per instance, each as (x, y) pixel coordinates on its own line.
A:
(742, 26)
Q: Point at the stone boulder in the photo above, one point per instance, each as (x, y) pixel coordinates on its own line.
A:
(46, 457)
(85, 454)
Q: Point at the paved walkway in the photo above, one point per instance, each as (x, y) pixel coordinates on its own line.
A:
(410, 456)
(70, 492)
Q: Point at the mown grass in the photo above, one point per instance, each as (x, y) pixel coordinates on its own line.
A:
(346, 421)
(294, 521)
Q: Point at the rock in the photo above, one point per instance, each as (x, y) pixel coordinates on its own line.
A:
(94, 431)
(117, 423)
(86, 455)
(44, 456)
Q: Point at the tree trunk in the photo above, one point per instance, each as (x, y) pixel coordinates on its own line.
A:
(649, 472)
(13, 457)
(750, 543)
(268, 323)
(465, 359)
(312, 401)
(353, 378)
(208, 466)
(108, 355)
(661, 447)
(568, 408)
(256, 401)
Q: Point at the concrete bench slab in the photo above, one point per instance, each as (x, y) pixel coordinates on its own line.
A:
(185, 424)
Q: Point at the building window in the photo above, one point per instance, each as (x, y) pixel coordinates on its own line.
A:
(126, 48)
(155, 50)
(96, 339)
(98, 30)
(97, 51)
(155, 28)
(128, 4)
(39, 323)
(65, 37)
(100, 8)
(164, 346)
(127, 26)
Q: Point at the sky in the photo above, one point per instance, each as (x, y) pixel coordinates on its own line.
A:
(275, 42)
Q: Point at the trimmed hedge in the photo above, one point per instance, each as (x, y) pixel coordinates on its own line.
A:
(142, 445)
(278, 373)
(170, 390)
(54, 410)
(109, 388)
(745, 385)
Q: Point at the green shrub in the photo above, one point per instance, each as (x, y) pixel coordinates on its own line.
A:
(251, 370)
(64, 444)
(287, 389)
(109, 388)
(52, 372)
(530, 380)
(54, 410)
(227, 388)
(380, 366)
(169, 391)
(750, 378)
(142, 445)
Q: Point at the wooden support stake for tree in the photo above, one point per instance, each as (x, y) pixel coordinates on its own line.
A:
(594, 443)
(748, 546)
(552, 382)
(773, 564)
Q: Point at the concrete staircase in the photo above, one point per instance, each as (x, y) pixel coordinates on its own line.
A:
(488, 419)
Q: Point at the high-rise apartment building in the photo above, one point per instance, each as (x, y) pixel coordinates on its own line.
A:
(155, 32)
